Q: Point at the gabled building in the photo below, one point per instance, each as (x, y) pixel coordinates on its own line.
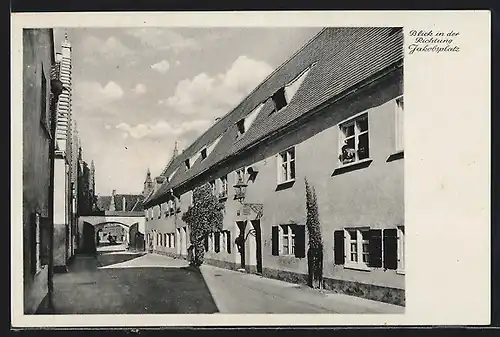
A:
(331, 114)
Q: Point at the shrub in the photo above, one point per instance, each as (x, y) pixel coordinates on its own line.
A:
(203, 218)
(315, 251)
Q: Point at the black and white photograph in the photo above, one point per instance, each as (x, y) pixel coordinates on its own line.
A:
(233, 170)
(218, 169)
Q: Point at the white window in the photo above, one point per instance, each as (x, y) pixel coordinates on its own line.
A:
(223, 187)
(224, 242)
(399, 123)
(357, 247)
(286, 166)
(240, 175)
(401, 249)
(213, 187)
(354, 140)
(287, 240)
(38, 237)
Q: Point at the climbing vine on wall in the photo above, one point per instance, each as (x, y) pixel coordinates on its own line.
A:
(204, 217)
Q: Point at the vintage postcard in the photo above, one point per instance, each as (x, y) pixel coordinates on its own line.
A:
(244, 168)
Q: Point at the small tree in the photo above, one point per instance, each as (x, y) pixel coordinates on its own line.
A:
(315, 251)
(203, 218)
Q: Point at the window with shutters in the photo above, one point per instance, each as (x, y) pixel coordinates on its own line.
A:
(401, 249)
(357, 247)
(354, 140)
(399, 123)
(286, 166)
(288, 240)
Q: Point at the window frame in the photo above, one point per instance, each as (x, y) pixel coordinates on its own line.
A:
(399, 112)
(44, 111)
(38, 243)
(291, 236)
(223, 186)
(401, 236)
(288, 162)
(360, 241)
(354, 120)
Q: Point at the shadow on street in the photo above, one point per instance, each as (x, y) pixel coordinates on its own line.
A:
(129, 283)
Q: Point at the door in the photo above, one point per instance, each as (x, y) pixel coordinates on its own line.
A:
(241, 246)
(88, 239)
(258, 244)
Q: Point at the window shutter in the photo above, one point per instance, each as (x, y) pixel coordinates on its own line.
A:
(300, 241)
(375, 248)
(391, 248)
(338, 246)
(229, 243)
(275, 240)
(217, 242)
(205, 242)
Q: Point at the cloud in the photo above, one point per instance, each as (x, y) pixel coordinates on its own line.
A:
(161, 66)
(162, 129)
(97, 50)
(214, 96)
(95, 99)
(107, 126)
(140, 89)
(177, 63)
(163, 38)
(93, 91)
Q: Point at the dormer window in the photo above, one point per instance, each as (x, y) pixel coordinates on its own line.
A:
(244, 124)
(188, 166)
(279, 99)
(203, 153)
(241, 126)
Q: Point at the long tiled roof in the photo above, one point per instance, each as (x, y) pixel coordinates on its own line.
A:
(132, 202)
(342, 58)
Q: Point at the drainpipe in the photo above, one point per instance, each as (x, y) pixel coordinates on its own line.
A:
(56, 89)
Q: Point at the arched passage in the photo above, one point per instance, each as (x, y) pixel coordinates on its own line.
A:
(112, 232)
(88, 245)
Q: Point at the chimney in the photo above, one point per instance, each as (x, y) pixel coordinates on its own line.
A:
(124, 202)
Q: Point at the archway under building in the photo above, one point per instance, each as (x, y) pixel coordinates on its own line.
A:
(111, 228)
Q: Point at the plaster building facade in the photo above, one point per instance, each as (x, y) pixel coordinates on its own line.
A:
(38, 123)
(332, 114)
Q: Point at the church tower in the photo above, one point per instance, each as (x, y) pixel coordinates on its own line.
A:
(148, 185)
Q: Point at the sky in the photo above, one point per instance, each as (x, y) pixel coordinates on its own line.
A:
(137, 91)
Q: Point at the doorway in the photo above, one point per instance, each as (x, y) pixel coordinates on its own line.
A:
(88, 239)
(242, 226)
(258, 244)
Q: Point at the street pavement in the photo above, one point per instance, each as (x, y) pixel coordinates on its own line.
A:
(241, 293)
(117, 282)
(120, 282)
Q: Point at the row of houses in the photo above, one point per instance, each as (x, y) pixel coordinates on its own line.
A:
(57, 182)
(332, 114)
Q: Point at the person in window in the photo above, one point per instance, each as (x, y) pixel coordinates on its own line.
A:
(348, 153)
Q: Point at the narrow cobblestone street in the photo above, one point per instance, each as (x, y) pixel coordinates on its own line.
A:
(121, 282)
